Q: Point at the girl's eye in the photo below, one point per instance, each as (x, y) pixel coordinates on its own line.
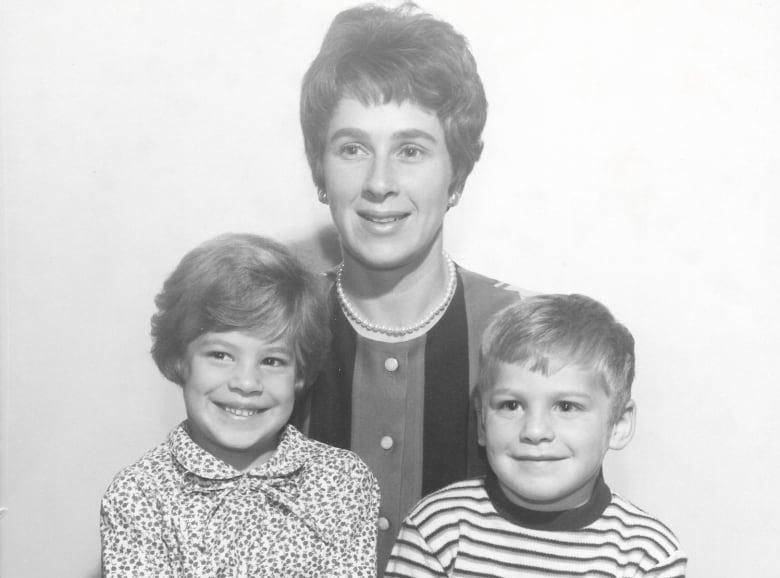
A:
(219, 355)
(274, 362)
(411, 152)
(508, 405)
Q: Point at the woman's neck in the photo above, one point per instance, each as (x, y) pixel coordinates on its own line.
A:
(397, 297)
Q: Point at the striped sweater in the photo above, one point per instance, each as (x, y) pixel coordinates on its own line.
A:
(470, 529)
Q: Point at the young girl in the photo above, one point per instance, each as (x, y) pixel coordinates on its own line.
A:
(235, 490)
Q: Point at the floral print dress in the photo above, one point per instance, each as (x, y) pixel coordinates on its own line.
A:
(310, 510)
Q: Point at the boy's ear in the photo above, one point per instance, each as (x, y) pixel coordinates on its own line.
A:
(623, 430)
(477, 401)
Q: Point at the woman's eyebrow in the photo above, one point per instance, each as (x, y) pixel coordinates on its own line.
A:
(349, 132)
(404, 134)
(414, 133)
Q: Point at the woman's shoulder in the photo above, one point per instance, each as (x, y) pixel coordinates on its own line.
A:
(478, 284)
(483, 296)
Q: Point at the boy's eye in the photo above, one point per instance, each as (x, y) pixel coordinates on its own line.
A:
(411, 152)
(509, 405)
(568, 406)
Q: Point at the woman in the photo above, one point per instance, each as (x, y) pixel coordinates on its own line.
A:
(392, 111)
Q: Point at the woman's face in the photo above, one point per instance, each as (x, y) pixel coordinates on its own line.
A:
(387, 175)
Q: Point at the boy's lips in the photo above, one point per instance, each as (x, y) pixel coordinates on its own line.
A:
(539, 458)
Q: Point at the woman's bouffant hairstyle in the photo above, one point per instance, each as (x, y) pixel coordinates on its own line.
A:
(379, 55)
(548, 332)
(241, 282)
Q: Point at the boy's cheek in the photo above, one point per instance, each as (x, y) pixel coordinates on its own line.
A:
(498, 430)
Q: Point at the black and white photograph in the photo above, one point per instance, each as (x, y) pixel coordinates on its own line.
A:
(402, 289)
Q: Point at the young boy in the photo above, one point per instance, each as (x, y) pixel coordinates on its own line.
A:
(554, 394)
(235, 490)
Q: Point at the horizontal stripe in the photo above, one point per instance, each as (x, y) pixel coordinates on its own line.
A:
(458, 529)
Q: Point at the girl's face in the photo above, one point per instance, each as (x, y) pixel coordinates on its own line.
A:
(239, 394)
(387, 176)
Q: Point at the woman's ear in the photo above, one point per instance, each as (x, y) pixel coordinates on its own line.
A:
(623, 430)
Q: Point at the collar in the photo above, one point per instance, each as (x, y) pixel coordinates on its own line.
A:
(564, 520)
(278, 479)
(289, 457)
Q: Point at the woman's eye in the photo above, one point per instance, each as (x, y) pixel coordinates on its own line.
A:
(508, 405)
(411, 152)
(350, 150)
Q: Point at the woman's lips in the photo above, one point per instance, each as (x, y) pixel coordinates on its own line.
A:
(382, 218)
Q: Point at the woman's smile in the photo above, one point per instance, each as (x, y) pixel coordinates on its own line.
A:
(387, 177)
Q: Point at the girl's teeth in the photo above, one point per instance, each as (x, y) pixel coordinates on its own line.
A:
(240, 412)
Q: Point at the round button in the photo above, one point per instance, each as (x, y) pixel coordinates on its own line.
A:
(383, 524)
(391, 364)
(386, 442)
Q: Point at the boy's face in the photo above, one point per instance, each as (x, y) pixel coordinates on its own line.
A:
(239, 393)
(546, 437)
(387, 176)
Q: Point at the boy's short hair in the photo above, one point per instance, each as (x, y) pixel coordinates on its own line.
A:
(241, 282)
(548, 332)
(379, 55)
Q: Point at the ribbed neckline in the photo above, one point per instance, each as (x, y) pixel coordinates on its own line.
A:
(559, 521)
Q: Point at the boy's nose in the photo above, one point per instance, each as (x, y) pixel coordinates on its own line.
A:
(380, 180)
(536, 427)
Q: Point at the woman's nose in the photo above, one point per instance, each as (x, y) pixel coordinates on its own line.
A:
(380, 180)
(536, 427)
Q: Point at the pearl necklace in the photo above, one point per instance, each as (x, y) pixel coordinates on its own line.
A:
(349, 309)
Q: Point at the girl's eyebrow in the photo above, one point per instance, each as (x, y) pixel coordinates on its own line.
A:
(215, 342)
(279, 349)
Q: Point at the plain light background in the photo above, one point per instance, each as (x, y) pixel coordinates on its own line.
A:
(632, 154)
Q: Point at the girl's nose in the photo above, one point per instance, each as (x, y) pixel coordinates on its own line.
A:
(246, 380)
